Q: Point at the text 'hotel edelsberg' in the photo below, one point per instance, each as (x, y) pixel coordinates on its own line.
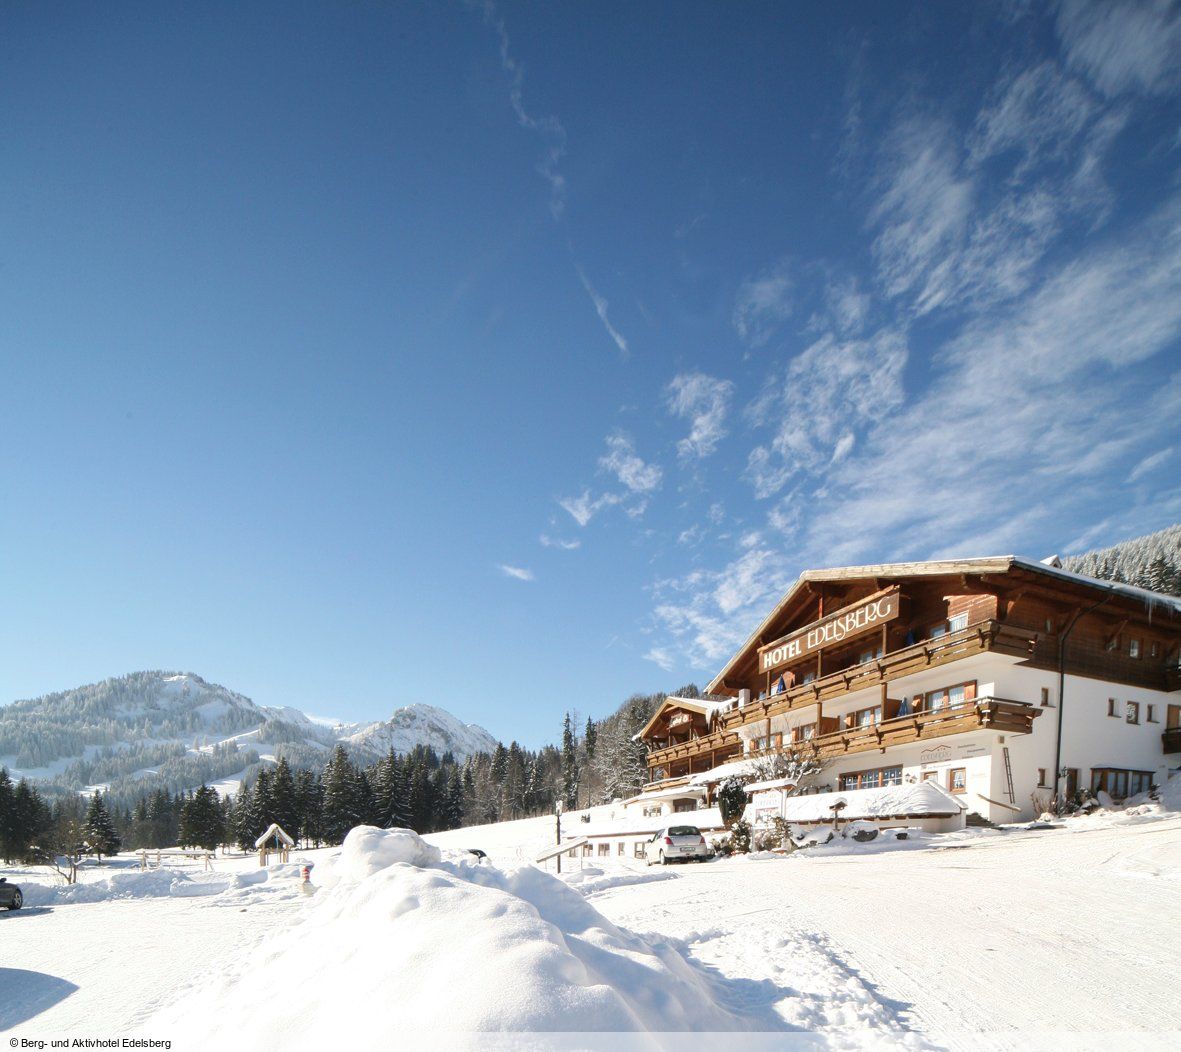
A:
(992, 684)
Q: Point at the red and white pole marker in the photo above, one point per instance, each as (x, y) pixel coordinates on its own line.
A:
(305, 879)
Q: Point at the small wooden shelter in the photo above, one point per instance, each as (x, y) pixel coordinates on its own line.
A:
(274, 842)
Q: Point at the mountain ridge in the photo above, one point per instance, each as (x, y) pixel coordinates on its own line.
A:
(145, 730)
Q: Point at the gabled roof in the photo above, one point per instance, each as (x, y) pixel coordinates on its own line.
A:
(705, 708)
(996, 564)
(274, 830)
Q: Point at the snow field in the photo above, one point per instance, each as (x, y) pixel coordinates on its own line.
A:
(421, 941)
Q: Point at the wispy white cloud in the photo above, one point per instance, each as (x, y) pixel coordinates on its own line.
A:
(704, 400)
(763, 303)
(662, 657)
(631, 470)
(1021, 418)
(817, 404)
(550, 129)
(584, 507)
(1150, 463)
(519, 573)
(600, 305)
(922, 212)
(1123, 47)
(557, 542)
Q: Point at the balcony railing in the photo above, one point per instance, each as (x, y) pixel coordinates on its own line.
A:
(1003, 715)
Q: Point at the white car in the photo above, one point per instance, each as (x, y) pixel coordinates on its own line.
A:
(677, 844)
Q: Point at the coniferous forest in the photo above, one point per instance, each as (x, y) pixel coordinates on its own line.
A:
(595, 762)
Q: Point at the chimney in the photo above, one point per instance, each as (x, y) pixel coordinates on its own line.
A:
(743, 698)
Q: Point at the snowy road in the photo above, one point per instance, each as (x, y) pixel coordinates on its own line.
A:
(1064, 930)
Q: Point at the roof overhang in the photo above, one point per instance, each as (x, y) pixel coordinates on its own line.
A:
(998, 564)
(673, 703)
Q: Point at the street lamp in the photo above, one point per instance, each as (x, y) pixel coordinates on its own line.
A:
(558, 820)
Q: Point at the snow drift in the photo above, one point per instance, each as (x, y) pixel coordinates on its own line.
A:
(404, 938)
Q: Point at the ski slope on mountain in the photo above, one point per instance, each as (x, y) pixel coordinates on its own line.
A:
(132, 734)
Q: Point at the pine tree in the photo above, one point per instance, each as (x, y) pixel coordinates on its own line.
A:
(99, 831)
(588, 742)
(340, 809)
(310, 794)
(569, 766)
(284, 799)
(201, 820)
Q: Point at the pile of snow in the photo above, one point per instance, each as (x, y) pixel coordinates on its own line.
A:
(590, 880)
(1169, 795)
(404, 939)
(898, 801)
(368, 850)
(153, 883)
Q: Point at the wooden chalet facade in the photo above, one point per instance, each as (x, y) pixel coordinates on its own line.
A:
(954, 671)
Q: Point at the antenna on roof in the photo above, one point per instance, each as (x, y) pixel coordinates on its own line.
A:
(1052, 560)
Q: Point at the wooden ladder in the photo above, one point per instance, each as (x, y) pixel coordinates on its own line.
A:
(1009, 776)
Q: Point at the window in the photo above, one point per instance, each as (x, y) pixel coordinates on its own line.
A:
(1111, 709)
(604, 849)
(957, 779)
(777, 740)
(760, 744)
(638, 849)
(619, 848)
(803, 734)
(1133, 713)
(586, 850)
(950, 697)
(1041, 777)
(875, 779)
(1071, 781)
(957, 623)
(1133, 648)
(808, 677)
(1045, 697)
(1154, 649)
(867, 717)
(930, 776)
(1120, 784)
(1151, 717)
(869, 655)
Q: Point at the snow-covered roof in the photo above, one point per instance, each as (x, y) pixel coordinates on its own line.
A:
(676, 792)
(274, 830)
(996, 564)
(919, 800)
(1132, 591)
(775, 783)
(708, 818)
(741, 768)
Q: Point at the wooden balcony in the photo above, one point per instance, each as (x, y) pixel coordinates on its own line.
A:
(1171, 740)
(980, 638)
(1002, 715)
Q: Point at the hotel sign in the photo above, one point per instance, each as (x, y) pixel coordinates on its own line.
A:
(852, 621)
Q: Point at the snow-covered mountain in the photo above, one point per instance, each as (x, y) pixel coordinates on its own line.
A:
(175, 730)
(422, 724)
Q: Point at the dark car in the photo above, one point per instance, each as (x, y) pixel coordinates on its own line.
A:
(10, 895)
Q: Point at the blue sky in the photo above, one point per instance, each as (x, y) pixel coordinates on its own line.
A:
(516, 358)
